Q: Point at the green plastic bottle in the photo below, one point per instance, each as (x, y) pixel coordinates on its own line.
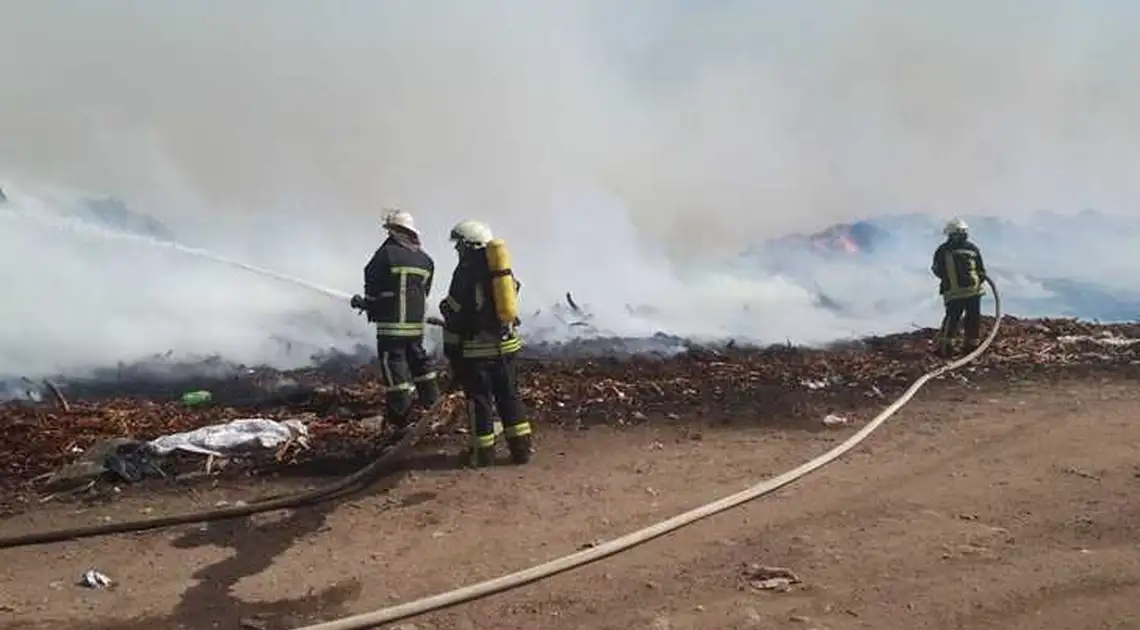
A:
(193, 399)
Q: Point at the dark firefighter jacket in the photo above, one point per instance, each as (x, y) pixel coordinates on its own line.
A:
(958, 264)
(396, 284)
(472, 330)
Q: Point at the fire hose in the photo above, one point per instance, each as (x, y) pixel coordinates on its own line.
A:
(629, 541)
(390, 456)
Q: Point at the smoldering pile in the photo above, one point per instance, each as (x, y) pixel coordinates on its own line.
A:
(778, 384)
(163, 376)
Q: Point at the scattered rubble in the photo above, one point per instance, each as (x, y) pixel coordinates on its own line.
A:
(832, 420)
(94, 579)
(763, 578)
(128, 405)
(121, 457)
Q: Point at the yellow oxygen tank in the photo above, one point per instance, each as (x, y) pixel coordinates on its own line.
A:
(503, 282)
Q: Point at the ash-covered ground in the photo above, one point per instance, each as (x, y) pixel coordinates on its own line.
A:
(569, 386)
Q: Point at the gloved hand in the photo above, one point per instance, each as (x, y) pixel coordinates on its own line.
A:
(358, 302)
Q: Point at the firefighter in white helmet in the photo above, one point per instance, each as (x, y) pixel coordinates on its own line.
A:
(481, 341)
(397, 281)
(961, 273)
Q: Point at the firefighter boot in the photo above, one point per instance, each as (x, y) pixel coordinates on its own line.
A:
(399, 425)
(521, 448)
(398, 410)
(478, 457)
(427, 392)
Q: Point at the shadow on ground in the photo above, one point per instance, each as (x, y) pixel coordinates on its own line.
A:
(257, 542)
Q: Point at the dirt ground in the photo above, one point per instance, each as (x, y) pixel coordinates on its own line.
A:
(1001, 507)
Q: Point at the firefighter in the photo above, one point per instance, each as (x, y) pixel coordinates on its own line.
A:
(959, 267)
(397, 281)
(481, 342)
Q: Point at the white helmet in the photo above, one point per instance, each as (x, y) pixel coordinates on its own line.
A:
(396, 218)
(955, 227)
(471, 234)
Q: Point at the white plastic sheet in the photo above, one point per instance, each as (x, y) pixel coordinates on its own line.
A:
(235, 437)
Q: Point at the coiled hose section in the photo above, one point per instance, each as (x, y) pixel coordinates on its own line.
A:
(642, 536)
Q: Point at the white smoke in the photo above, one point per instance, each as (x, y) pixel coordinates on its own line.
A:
(623, 149)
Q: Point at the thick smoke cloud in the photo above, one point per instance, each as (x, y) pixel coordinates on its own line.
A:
(616, 144)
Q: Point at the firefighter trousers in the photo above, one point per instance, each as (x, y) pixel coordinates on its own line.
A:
(491, 384)
(405, 368)
(957, 310)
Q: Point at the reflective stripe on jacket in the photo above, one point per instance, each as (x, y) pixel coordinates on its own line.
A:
(397, 281)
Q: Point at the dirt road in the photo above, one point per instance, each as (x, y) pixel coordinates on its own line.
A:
(1010, 507)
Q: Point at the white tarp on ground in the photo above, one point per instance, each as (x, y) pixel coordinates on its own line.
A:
(235, 437)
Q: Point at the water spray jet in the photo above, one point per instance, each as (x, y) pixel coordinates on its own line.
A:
(65, 224)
